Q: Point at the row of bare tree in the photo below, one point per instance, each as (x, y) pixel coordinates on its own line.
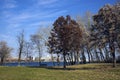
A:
(35, 46)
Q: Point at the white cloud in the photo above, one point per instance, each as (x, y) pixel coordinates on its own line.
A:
(3, 36)
(16, 23)
(11, 41)
(8, 38)
(9, 4)
(56, 13)
(20, 17)
(39, 23)
(46, 2)
(6, 14)
(24, 17)
(29, 19)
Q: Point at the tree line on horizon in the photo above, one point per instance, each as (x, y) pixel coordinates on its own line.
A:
(96, 39)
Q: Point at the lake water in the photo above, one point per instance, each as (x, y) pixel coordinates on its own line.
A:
(46, 64)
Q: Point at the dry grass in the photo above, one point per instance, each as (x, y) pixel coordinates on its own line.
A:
(76, 72)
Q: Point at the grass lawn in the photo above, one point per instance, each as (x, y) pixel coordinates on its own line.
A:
(77, 72)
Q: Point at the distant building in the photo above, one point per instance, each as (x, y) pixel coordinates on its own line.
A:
(11, 59)
(37, 59)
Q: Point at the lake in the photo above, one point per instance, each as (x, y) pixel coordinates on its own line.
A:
(45, 64)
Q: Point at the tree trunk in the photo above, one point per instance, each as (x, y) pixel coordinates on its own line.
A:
(64, 56)
(2, 61)
(97, 57)
(106, 54)
(83, 56)
(101, 54)
(112, 49)
(77, 57)
(71, 58)
(39, 60)
(52, 58)
(19, 57)
(91, 55)
(88, 56)
(64, 65)
(67, 60)
(39, 57)
(114, 60)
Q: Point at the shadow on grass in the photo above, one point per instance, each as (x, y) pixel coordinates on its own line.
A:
(73, 68)
(36, 66)
(83, 68)
(60, 68)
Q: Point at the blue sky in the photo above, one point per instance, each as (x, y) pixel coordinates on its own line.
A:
(30, 15)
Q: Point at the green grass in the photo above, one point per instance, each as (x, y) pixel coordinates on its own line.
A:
(77, 72)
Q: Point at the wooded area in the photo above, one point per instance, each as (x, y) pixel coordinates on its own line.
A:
(98, 40)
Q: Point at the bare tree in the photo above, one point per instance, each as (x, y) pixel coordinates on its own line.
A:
(28, 49)
(38, 43)
(21, 41)
(4, 51)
